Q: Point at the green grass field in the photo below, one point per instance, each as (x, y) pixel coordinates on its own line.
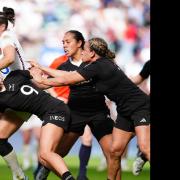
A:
(73, 163)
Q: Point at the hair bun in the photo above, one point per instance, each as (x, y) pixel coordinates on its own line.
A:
(8, 12)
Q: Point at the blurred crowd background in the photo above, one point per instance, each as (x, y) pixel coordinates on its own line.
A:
(125, 24)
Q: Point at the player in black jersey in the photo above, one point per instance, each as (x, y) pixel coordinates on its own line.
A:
(22, 95)
(9, 61)
(26, 97)
(138, 79)
(132, 103)
(87, 105)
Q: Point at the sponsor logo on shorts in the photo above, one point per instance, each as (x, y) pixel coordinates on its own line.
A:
(57, 118)
(143, 120)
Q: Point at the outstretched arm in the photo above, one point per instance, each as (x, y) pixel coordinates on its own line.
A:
(59, 78)
(51, 72)
(34, 72)
(62, 80)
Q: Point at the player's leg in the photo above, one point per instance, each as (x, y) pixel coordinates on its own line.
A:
(36, 129)
(26, 147)
(102, 130)
(121, 135)
(142, 130)
(84, 153)
(120, 139)
(63, 148)
(143, 139)
(9, 124)
(138, 163)
(56, 121)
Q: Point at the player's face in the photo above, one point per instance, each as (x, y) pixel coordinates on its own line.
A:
(2, 28)
(70, 44)
(87, 54)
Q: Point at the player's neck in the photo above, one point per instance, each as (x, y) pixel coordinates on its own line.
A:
(95, 58)
(77, 57)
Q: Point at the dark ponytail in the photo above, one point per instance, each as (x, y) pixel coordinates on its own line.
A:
(7, 15)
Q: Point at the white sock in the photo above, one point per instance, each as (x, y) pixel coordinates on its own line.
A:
(12, 162)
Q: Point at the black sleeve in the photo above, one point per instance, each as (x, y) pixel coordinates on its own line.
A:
(145, 72)
(63, 66)
(89, 71)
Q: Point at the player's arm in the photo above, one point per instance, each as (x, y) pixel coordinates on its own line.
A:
(51, 72)
(54, 72)
(9, 56)
(144, 74)
(63, 79)
(36, 72)
(41, 86)
(138, 79)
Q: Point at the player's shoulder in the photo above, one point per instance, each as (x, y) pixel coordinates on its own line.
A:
(7, 34)
(65, 65)
(58, 61)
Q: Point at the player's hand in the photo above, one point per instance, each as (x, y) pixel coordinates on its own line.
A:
(34, 63)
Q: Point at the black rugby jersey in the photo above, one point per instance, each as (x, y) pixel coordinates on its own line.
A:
(23, 95)
(111, 81)
(145, 72)
(83, 96)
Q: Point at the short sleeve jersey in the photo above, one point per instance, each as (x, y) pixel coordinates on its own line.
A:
(83, 96)
(8, 38)
(22, 95)
(145, 72)
(111, 81)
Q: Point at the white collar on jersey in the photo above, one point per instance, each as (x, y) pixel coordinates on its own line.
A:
(76, 63)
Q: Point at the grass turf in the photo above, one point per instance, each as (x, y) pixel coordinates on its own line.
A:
(73, 163)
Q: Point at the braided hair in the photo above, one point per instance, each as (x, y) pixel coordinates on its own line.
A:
(100, 47)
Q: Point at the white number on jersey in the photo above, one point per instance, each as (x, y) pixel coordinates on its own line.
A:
(31, 90)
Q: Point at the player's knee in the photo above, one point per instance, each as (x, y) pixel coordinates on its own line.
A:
(5, 147)
(116, 151)
(87, 140)
(43, 155)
